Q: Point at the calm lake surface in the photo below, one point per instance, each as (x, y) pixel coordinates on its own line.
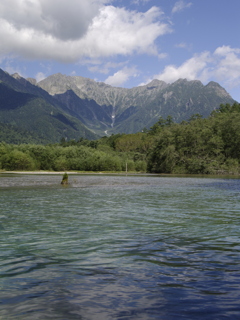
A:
(119, 247)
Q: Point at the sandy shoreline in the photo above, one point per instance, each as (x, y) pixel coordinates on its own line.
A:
(38, 172)
(120, 173)
(49, 172)
(71, 172)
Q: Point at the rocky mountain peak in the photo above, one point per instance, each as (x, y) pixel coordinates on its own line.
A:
(32, 81)
(114, 109)
(156, 83)
(16, 76)
(212, 85)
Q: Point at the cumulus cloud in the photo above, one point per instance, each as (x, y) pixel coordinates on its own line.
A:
(118, 31)
(222, 65)
(228, 65)
(190, 69)
(180, 5)
(121, 76)
(65, 20)
(69, 30)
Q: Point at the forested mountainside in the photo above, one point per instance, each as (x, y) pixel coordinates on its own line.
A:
(27, 108)
(197, 146)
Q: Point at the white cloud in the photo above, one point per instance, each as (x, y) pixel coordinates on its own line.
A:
(69, 30)
(138, 2)
(180, 5)
(12, 69)
(118, 31)
(40, 76)
(223, 65)
(228, 65)
(106, 67)
(191, 69)
(225, 50)
(65, 20)
(121, 76)
(183, 45)
(162, 55)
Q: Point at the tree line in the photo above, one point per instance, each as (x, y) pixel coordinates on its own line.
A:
(197, 146)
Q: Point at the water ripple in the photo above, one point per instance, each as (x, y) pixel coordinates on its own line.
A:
(116, 247)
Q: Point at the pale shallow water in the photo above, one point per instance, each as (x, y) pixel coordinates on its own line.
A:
(119, 247)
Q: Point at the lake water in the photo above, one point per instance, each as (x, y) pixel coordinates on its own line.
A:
(119, 247)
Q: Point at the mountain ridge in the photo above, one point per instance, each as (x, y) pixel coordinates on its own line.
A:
(98, 109)
(132, 109)
(33, 110)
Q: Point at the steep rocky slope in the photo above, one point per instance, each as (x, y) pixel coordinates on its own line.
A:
(113, 109)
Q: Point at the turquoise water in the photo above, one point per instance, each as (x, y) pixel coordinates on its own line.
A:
(119, 247)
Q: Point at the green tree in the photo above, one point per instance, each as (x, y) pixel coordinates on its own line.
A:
(17, 160)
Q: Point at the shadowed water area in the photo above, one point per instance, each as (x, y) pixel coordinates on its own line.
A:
(119, 247)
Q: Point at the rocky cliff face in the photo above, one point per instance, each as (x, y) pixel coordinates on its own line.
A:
(100, 92)
(130, 110)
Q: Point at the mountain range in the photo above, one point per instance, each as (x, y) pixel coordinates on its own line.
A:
(75, 107)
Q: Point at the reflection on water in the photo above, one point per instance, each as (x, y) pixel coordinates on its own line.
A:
(119, 247)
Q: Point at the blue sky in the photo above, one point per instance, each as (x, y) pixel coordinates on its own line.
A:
(123, 42)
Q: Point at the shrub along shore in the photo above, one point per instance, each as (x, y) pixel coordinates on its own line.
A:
(196, 146)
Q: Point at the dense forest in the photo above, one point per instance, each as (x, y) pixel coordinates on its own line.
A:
(197, 146)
